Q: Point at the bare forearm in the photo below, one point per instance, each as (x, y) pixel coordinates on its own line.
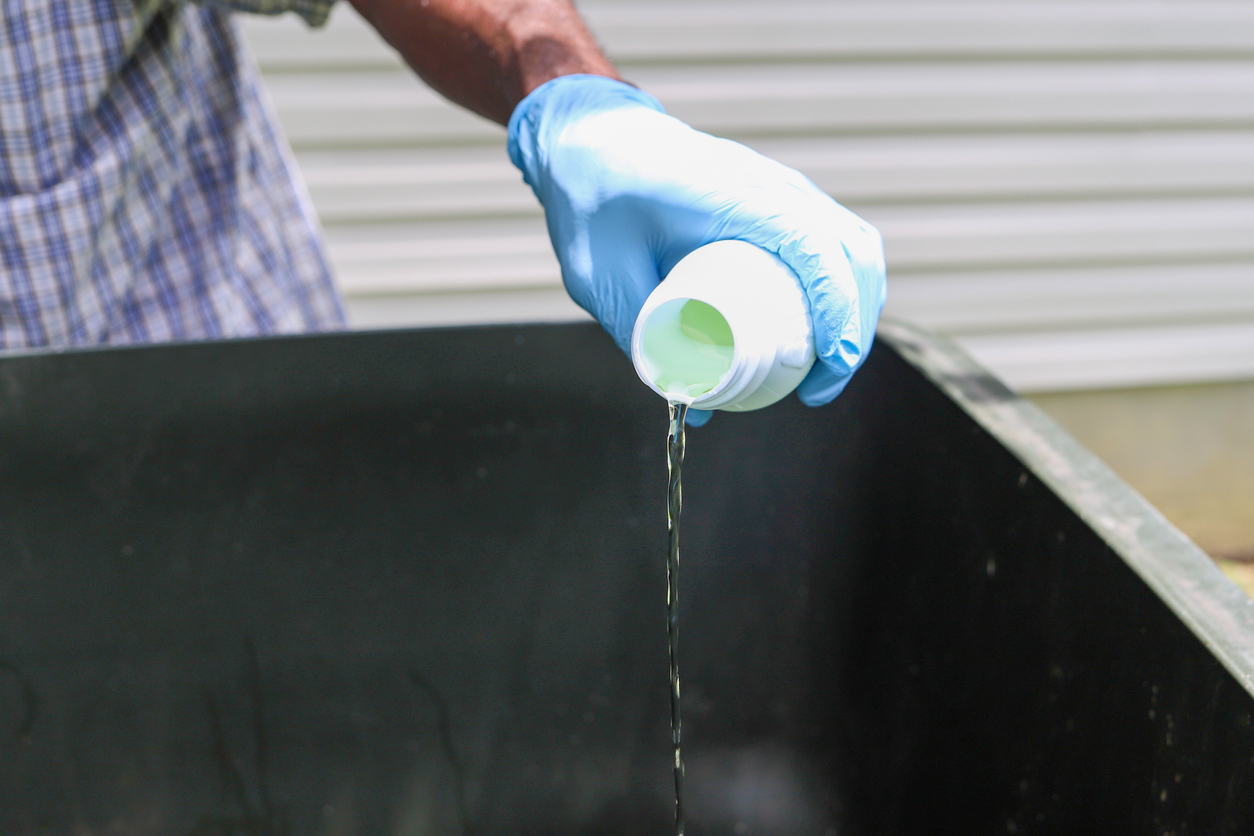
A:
(486, 55)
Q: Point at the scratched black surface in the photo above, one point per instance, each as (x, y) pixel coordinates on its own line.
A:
(413, 582)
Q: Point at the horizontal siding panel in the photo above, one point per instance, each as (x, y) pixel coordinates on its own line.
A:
(385, 184)
(356, 185)
(1069, 360)
(440, 257)
(930, 168)
(917, 240)
(1033, 300)
(393, 107)
(512, 305)
(376, 108)
(969, 304)
(1066, 233)
(905, 30)
(284, 43)
(943, 97)
(651, 32)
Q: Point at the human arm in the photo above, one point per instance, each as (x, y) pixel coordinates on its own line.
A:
(486, 55)
(628, 190)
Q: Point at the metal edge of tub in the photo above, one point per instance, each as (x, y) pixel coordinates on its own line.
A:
(1218, 612)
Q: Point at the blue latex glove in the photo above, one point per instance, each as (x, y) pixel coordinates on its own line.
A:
(628, 191)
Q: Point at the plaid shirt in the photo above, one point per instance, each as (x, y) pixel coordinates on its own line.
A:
(146, 192)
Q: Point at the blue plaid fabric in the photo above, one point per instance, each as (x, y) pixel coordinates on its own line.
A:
(146, 192)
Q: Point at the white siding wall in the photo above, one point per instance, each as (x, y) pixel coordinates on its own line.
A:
(1066, 187)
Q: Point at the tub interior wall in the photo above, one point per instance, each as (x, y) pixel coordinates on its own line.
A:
(414, 582)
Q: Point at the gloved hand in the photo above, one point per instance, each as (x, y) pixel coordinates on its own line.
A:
(628, 191)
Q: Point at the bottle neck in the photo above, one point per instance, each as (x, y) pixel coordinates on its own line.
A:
(707, 352)
(709, 334)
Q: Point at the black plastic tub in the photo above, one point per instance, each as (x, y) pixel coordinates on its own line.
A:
(414, 583)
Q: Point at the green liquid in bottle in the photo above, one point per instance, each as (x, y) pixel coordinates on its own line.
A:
(690, 345)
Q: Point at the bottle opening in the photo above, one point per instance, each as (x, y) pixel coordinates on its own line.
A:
(687, 348)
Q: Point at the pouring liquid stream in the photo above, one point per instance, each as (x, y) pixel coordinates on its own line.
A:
(693, 347)
(685, 348)
(674, 500)
(690, 349)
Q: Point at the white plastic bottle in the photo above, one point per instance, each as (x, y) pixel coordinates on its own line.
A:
(728, 328)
